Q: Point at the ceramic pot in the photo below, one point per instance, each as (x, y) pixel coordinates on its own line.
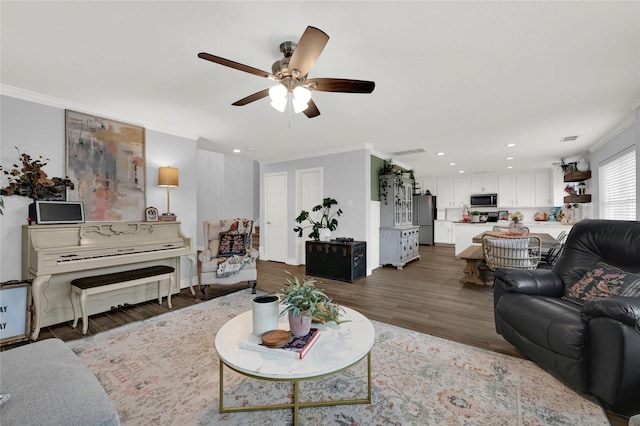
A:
(300, 325)
(582, 165)
(325, 234)
(475, 218)
(265, 314)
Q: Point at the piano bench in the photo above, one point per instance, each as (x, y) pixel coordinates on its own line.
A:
(83, 287)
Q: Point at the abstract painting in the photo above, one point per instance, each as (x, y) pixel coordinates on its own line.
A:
(105, 158)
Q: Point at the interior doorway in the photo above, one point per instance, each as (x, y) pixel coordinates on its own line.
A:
(275, 201)
(309, 193)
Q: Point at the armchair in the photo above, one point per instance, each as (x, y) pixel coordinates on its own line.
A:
(581, 320)
(229, 257)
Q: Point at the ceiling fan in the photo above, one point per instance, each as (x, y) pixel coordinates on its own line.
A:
(292, 71)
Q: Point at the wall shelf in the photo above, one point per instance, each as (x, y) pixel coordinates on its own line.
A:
(576, 176)
(573, 199)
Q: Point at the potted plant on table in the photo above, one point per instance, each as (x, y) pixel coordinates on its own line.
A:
(321, 228)
(301, 299)
(475, 216)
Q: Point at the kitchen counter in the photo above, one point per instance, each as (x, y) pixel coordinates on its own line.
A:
(506, 223)
(463, 233)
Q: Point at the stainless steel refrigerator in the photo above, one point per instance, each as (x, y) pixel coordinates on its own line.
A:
(424, 212)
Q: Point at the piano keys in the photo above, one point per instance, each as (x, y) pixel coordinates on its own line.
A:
(53, 255)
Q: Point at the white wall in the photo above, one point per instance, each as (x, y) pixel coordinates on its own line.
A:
(39, 129)
(627, 138)
(347, 179)
(226, 189)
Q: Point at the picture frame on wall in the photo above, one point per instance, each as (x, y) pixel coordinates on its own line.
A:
(151, 214)
(107, 160)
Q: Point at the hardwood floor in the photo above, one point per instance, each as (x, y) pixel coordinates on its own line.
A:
(425, 296)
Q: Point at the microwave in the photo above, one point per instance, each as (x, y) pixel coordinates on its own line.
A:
(483, 200)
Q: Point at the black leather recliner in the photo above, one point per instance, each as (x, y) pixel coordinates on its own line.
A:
(593, 348)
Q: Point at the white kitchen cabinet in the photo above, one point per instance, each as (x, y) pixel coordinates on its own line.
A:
(445, 192)
(461, 191)
(506, 190)
(524, 189)
(429, 184)
(544, 193)
(426, 184)
(443, 232)
(484, 184)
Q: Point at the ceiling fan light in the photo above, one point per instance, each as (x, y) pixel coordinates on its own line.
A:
(301, 94)
(299, 106)
(280, 104)
(278, 93)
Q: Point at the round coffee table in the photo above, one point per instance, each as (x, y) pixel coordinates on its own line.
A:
(338, 347)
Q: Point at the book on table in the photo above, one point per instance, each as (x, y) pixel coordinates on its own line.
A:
(297, 347)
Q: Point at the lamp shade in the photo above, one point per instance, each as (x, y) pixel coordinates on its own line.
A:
(168, 177)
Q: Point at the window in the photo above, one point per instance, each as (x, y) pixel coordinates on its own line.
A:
(618, 187)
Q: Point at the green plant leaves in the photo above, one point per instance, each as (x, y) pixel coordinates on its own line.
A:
(327, 219)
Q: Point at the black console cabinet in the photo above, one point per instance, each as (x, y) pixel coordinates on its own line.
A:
(342, 261)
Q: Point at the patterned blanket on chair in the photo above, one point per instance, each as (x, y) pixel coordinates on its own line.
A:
(234, 264)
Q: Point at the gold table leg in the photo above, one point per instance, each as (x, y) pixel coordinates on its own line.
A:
(296, 404)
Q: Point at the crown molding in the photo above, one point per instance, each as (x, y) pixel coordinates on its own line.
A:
(634, 103)
(52, 101)
(622, 126)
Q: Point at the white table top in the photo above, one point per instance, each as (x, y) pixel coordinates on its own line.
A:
(337, 347)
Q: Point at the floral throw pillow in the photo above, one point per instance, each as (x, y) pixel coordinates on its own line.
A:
(231, 244)
(604, 281)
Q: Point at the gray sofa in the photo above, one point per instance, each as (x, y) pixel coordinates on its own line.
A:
(50, 386)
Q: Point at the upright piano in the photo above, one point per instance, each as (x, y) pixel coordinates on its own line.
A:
(53, 255)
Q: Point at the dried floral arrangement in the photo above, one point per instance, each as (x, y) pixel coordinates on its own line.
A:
(29, 180)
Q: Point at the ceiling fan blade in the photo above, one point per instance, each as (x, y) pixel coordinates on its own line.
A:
(312, 110)
(341, 85)
(308, 50)
(235, 65)
(252, 98)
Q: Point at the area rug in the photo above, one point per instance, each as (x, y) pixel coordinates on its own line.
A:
(164, 371)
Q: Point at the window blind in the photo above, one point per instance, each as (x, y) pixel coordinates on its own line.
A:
(618, 187)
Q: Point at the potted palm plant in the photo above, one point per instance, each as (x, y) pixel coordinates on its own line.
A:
(301, 300)
(321, 228)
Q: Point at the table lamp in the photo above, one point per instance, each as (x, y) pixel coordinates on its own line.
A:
(168, 177)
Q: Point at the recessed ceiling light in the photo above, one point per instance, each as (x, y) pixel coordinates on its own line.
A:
(236, 150)
(510, 145)
(509, 158)
(509, 167)
(452, 164)
(439, 153)
(461, 171)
